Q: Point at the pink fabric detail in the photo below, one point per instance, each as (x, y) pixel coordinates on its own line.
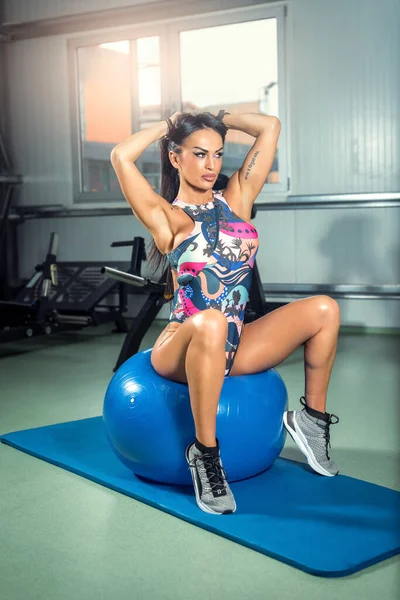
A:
(252, 231)
(187, 305)
(191, 267)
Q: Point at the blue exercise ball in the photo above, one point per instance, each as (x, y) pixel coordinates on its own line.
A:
(149, 422)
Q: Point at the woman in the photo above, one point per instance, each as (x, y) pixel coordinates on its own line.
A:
(211, 246)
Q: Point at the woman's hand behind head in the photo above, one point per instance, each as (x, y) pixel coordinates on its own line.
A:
(175, 116)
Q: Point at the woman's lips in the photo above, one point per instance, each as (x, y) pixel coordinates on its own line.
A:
(208, 177)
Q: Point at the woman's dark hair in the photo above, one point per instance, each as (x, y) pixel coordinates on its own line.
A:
(185, 125)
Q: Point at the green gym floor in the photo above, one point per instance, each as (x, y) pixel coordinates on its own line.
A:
(66, 537)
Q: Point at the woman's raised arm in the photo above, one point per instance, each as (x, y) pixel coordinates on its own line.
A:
(147, 206)
(245, 185)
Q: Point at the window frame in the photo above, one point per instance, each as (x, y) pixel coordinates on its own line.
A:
(234, 16)
(169, 34)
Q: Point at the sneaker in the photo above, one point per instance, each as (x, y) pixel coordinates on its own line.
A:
(213, 494)
(312, 436)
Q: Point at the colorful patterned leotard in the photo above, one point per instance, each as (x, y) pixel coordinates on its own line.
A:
(215, 267)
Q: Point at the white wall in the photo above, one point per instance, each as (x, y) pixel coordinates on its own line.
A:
(40, 122)
(343, 62)
(344, 79)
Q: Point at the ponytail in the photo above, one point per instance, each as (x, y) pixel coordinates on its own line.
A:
(169, 187)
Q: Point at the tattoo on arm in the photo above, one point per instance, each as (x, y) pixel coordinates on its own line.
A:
(251, 165)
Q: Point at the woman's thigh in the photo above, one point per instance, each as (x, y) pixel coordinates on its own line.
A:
(168, 356)
(269, 340)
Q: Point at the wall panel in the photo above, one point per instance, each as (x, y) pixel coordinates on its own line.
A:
(343, 73)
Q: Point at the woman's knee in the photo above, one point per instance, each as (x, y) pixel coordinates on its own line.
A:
(211, 325)
(329, 308)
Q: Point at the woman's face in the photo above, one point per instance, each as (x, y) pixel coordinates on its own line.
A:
(201, 158)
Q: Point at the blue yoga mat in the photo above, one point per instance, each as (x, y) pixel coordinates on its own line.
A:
(327, 526)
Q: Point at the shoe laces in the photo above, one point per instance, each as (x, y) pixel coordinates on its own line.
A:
(326, 427)
(215, 472)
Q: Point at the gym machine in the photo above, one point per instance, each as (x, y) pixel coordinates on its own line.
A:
(64, 296)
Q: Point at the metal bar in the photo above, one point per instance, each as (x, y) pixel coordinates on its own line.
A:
(316, 205)
(74, 319)
(331, 287)
(319, 201)
(144, 282)
(345, 296)
(124, 277)
(290, 291)
(14, 179)
(4, 158)
(391, 200)
(53, 244)
(28, 213)
(365, 196)
(123, 243)
(5, 209)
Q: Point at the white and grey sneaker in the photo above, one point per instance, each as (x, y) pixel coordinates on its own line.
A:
(312, 436)
(213, 494)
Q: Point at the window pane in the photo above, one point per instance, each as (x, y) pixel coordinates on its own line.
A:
(149, 102)
(105, 110)
(234, 67)
(149, 80)
(109, 112)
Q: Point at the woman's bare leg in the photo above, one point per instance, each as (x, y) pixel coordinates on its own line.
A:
(319, 356)
(195, 353)
(313, 322)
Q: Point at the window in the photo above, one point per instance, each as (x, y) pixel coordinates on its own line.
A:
(217, 73)
(109, 110)
(231, 60)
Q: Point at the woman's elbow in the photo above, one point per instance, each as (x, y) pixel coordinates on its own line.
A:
(274, 122)
(114, 154)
